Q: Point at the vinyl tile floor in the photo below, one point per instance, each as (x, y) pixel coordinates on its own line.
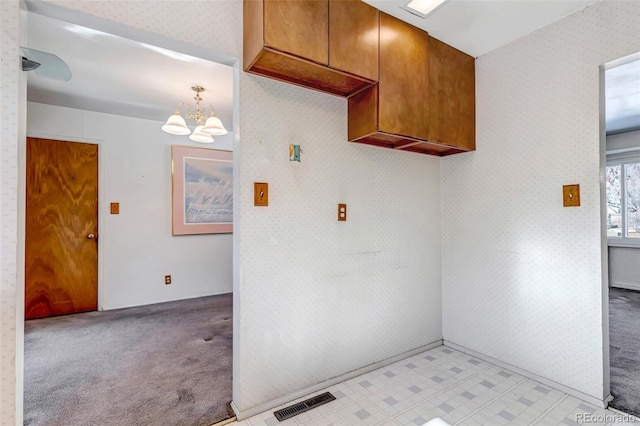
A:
(449, 384)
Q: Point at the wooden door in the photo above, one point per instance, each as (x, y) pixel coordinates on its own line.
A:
(61, 250)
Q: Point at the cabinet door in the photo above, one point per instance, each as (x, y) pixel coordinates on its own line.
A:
(298, 27)
(404, 79)
(451, 96)
(353, 38)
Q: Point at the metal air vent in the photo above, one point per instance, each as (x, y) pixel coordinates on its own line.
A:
(301, 407)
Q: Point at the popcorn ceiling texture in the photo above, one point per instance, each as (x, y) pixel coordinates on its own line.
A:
(9, 107)
(318, 298)
(522, 274)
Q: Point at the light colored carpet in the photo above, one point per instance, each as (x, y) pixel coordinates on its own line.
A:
(164, 364)
(624, 336)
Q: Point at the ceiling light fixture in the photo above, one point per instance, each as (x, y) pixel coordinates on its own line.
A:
(423, 8)
(206, 127)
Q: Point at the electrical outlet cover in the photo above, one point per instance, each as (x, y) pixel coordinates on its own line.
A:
(342, 212)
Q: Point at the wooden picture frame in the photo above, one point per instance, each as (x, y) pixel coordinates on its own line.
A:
(201, 190)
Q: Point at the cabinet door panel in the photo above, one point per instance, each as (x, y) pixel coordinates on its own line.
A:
(404, 79)
(353, 38)
(451, 96)
(298, 27)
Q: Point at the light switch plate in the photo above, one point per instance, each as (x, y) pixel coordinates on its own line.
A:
(115, 208)
(571, 195)
(260, 194)
(342, 212)
(294, 152)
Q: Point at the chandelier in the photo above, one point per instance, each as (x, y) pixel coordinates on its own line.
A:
(206, 127)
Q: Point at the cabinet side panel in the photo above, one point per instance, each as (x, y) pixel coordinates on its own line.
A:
(404, 78)
(253, 31)
(298, 27)
(353, 38)
(451, 96)
(362, 113)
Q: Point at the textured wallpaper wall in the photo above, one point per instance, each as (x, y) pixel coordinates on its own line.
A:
(522, 274)
(9, 111)
(319, 297)
(316, 298)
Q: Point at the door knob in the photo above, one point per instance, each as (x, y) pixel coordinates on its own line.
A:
(91, 236)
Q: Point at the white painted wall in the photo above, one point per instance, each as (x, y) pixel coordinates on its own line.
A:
(624, 267)
(521, 274)
(136, 247)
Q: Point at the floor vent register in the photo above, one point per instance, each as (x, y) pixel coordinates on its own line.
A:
(301, 407)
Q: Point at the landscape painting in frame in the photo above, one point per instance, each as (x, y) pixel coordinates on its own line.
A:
(202, 190)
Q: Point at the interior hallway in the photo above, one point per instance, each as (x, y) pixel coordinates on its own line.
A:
(163, 364)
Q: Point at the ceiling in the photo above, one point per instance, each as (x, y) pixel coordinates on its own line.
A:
(116, 75)
(622, 87)
(477, 27)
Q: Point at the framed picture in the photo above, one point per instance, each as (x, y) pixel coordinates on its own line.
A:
(202, 190)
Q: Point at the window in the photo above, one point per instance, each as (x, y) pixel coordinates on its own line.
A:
(623, 200)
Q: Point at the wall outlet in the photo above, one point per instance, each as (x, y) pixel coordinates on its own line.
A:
(115, 208)
(342, 212)
(167, 279)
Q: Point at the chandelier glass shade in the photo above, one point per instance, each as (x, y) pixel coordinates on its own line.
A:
(199, 136)
(207, 126)
(176, 125)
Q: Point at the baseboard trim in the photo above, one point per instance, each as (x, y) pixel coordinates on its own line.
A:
(602, 403)
(625, 286)
(625, 417)
(608, 399)
(157, 302)
(241, 415)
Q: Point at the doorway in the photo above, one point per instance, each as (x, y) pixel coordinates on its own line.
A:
(622, 222)
(61, 225)
(137, 249)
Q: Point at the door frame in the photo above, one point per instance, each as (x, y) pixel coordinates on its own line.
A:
(125, 31)
(606, 345)
(101, 201)
(604, 248)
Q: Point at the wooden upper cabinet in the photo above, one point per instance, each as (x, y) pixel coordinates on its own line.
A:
(354, 37)
(289, 40)
(451, 97)
(300, 28)
(404, 79)
(425, 99)
(405, 89)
